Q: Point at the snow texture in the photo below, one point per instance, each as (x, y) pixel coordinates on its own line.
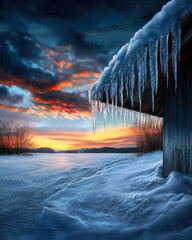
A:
(93, 196)
(132, 57)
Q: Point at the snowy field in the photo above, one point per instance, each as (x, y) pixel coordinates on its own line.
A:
(93, 196)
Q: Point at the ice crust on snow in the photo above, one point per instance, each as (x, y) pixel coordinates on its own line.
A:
(132, 57)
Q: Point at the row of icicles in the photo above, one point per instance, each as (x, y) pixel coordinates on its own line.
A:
(124, 78)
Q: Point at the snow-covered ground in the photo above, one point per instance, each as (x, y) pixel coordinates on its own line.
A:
(93, 196)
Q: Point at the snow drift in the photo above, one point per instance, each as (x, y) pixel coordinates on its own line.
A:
(93, 196)
(124, 198)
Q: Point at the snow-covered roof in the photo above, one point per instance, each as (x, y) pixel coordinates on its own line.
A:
(146, 39)
(133, 57)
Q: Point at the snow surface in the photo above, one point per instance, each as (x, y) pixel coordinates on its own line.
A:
(153, 37)
(93, 196)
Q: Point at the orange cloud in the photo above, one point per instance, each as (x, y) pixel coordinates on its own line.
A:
(60, 63)
(69, 105)
(13, 109)
(85, 79)
(55, 109)
(46, 98)
(60, 85)
(55, 52)
(86, 74)
(10, 80)
(23, 110)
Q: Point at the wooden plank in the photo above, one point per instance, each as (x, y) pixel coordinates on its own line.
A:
(178, 123)
(188, 125)
(183, 165)
(175, 159)
(166, 135)
(190, 130)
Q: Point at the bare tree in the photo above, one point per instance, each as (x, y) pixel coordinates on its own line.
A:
(5, 137)
(22, 139)
(14, 139)
(150, 138)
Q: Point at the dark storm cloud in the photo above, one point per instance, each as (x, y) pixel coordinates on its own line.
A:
(61, 102)
(6, 96)
(18, 54)
(64, 9)
(4, 92)
(48, 46)
(81, 46)
(72, 22)
(25, 64)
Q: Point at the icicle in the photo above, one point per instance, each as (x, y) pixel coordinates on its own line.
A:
(100, 107)
(106, 90)
(179, 39)
(153, 47)
(139, 76)
(164, 54)
(94, 114)
(176, 35)
(105, 115)
(121, 81)
(126, 80)
(131, 67)
(133, 58)
(116, 101)
(125, 117)
(121, 88)
(112, 93)
(144, 67)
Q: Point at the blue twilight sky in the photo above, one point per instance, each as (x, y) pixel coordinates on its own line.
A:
(50, 54)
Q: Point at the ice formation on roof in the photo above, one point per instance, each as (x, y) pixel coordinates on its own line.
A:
(132, 57)
(123, 115)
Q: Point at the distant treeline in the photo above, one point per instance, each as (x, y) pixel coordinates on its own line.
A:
(103, 150)
(14, 139)
(42, 150)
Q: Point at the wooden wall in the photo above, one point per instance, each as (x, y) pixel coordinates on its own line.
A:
(177, 154)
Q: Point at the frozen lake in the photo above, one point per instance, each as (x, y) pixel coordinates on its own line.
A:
(93, 196)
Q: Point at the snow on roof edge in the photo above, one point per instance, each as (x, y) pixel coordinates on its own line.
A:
(119, 76)
(160, 24)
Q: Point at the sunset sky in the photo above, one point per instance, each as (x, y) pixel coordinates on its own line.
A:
(51, 52)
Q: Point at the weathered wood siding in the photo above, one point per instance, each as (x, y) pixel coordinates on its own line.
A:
(177, 154)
